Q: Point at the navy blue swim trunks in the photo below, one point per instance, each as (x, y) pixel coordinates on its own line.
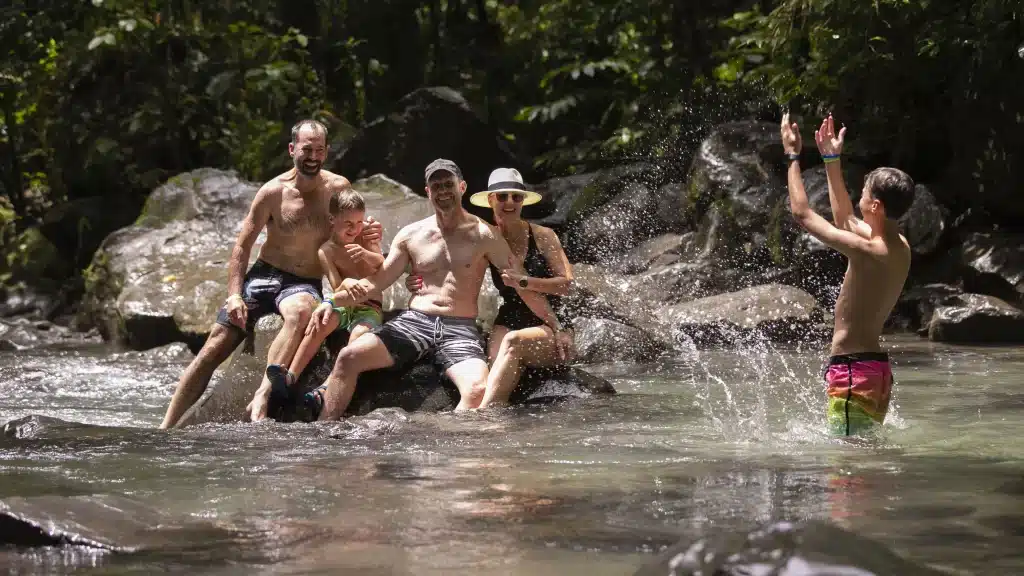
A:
(264, 288)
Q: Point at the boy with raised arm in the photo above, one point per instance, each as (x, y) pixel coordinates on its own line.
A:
(859, 376)
(345, 261)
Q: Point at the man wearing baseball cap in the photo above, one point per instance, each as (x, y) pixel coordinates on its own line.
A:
(451, 251)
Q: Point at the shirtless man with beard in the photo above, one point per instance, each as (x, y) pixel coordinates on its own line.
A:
(286, 277)
(450, 251)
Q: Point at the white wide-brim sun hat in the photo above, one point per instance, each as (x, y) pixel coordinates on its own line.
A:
(507, 180)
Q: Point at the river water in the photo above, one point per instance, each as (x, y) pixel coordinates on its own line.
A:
(709, 442)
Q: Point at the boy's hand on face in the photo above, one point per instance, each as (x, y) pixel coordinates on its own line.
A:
(372, 230)
(829, 143)
(791, 142)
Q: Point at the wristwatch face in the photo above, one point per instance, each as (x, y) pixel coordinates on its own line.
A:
(523, 283)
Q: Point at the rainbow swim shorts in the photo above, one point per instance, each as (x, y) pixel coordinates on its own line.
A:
(859, 388)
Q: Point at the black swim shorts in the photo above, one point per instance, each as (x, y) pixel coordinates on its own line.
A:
(412, 335)
(264, 288)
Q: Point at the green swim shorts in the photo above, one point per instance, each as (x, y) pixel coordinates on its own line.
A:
(369, 314)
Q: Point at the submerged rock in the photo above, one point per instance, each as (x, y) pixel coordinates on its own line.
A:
(810, 548)
(976, 318)
(102, 521)
(421, 387)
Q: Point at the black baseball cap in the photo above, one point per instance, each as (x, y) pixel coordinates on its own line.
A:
(442, 164)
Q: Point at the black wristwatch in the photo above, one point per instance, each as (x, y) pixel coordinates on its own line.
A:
(523, 283)
(791, 156)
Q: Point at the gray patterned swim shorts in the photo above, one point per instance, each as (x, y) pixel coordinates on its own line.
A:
(412, 335)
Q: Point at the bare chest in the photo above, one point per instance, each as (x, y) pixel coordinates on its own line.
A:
(299, 216)
(433, 253)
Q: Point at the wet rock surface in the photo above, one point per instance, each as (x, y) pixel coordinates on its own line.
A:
(976, 319)
(774, 311)
(600, 340)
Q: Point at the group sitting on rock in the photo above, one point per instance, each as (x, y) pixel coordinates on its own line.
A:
(316, 225)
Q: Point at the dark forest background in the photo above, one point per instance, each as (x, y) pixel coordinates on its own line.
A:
(102, 100)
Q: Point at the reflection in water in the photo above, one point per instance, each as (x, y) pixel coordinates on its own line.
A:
(710, 442)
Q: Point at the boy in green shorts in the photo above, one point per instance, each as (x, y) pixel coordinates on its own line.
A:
(345, 262)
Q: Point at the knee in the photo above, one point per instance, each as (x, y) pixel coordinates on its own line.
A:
(296, 317)
(512, 344)
(347, 361)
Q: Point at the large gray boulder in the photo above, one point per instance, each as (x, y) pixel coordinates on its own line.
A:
(163, 279)
(420, 387)
(428, 123)
(776, 312)
(569, 199)
(994, 263)
(976, 319)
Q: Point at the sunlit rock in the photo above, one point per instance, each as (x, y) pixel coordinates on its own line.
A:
(601, 340)
(163, 279)
(995, 262)
(774, 311)
(976, 318)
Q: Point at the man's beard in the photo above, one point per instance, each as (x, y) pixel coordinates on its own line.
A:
(310, 169)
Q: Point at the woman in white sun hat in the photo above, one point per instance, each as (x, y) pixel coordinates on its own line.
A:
(519, 337)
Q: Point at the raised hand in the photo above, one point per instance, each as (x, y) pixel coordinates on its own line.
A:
(791, 142)
(829, 143)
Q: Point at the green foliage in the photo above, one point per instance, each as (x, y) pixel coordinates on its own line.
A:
(108, 98)
(926, 83)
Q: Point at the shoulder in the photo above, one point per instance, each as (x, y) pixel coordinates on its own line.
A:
(270, 193)
(334, 182)
(546, 237)
(484, 229)
(412, 229)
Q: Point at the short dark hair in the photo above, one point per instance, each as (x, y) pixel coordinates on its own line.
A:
(345, 200)
(317, 126)
(893, 188)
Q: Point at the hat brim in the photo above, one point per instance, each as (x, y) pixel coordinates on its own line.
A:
(480, 198)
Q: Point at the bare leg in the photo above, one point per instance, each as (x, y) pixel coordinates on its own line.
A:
(494, 343)
(296, 310)
(310, 345)
(527, 347)
(366, 353)
(470, 377)
(194, 380)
